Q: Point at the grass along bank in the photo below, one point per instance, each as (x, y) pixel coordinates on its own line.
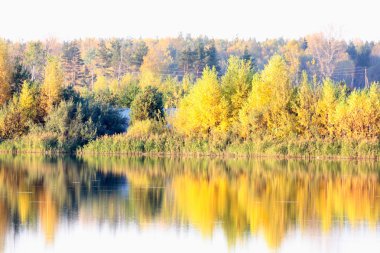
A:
(175, 145)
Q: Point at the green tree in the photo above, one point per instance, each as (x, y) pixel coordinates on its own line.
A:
(147, 105)
(72, 63)
(34, 60)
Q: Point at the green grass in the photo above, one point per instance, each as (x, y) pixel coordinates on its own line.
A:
(170, 144)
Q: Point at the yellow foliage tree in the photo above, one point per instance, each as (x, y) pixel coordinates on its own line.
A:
(204, 110)
(52, 86)
(267, 111)
(156, 63)
(28, 101)
(236, 85)
(292, 52)
(101, 84)
(325, 109)
(304, 108)
(5, 73)
(357, 117)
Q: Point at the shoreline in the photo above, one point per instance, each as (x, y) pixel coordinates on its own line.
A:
(221, 155)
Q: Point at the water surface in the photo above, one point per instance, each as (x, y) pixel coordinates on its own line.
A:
(140, 204)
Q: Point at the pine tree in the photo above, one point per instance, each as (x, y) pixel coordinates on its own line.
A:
(199, 59)
(212, 56)
(72, 63)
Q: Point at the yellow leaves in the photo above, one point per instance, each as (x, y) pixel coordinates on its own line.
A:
(292, 53)
(304, 108)
(325, 108)
(156, 62)
(236, 85)
(357, 117)
(149, 78)
(29, 101)
(270, 107)
(53, 83)
(267, 108)
(101, 84)
(204, 110)
(5, 73)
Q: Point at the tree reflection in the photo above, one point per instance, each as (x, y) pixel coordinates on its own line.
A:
(243, 197)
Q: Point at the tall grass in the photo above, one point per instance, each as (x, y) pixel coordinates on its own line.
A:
(176, 145)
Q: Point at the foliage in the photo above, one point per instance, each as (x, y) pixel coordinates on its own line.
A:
(267, 111)
(147, 105)
(5, 73)
(236, 85)
(204, 109)
(76, 123)
(52, 86)
(304, 107)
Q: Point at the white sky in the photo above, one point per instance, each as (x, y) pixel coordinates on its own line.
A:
(261, 19)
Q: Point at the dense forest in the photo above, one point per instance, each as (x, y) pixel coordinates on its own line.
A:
(312, 96)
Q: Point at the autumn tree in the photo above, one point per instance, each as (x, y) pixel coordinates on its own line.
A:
(236, 85)
(325, 108)
(5, 73)
(204, 110)
(267, 110)
(29, 102)
(356, 117)
(292, 55)
(52, 86)
(156, 63)
(304, 108)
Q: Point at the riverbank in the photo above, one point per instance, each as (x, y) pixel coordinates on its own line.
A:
(166, 144)
(290, 149)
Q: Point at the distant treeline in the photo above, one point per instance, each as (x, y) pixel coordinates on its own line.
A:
(87, 60)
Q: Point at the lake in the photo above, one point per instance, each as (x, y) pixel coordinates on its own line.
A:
(141, 204)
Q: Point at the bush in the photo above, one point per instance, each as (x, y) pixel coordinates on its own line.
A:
(145, 128)
(75, 124)
(147, 105)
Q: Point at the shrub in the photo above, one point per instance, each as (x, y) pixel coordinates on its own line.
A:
(147, 105)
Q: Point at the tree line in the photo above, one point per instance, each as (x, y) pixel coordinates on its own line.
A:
(245, 99)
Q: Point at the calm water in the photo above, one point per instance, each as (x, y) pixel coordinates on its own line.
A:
(120, 204)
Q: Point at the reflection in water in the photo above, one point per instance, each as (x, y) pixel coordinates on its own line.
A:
(245, 198)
